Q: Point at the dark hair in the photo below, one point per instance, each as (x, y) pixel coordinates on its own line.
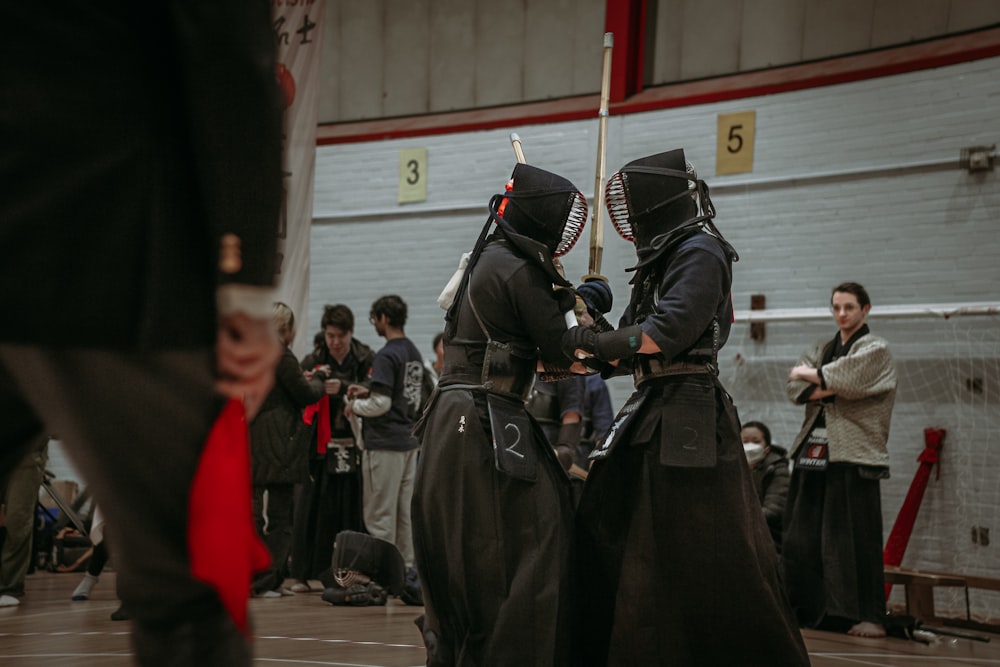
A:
(339, 316)
(853, 288)
(438, 337)
(760, 427)
(393, 307)
(319, 340)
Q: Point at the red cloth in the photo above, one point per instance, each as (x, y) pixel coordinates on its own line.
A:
(223, 545)
(320, 409)
(895, 546)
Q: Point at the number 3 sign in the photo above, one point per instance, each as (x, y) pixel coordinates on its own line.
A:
(734, 145)
(412, 175)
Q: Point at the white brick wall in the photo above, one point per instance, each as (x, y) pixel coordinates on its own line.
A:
(911, 234)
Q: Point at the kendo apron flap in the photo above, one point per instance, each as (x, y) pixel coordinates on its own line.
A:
(688, 433)
(342, 456)
(513, 447)
(621, 423)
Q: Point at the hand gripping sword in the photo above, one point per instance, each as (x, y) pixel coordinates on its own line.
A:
(597, 220)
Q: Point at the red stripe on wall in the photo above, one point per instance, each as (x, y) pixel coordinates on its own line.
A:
(626, 20)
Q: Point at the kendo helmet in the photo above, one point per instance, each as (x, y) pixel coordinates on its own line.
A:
(652, 196)
(543, 206)
(359, 558)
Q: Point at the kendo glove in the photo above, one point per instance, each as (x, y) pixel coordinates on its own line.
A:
(604, 346)
(597, 295)
(578, 338)
(619, 344)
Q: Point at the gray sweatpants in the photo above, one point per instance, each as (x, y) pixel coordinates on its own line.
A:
(388, 489)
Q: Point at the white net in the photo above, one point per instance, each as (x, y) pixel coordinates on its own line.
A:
(949, 377)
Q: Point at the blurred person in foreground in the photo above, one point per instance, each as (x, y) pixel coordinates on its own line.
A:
(140, 152)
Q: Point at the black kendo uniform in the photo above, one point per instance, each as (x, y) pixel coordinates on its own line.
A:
(492, 523)
(680, 566)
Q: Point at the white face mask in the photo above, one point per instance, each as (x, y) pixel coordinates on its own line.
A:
(755, 452)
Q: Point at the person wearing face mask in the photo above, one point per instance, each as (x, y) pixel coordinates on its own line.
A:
(769, 469)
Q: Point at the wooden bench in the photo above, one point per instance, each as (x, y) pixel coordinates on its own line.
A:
(919, 588)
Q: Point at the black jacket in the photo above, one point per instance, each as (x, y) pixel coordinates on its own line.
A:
(770, 479)
(279, 440)
(355, 370)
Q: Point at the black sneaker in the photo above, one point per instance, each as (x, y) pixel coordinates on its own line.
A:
(121, 614)
(412, 594)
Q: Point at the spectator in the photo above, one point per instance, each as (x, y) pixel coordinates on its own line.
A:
(20, 494)
(389, 408)
(157, 227)
(280, 442)
(558, 409)
(432, 369)
(832, 543)
(98, 559)
(438, 345)
(769, 469)
(594, 295)
(330, 498)
(597, 417)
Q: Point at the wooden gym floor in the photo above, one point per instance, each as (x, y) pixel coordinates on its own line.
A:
(48, 629)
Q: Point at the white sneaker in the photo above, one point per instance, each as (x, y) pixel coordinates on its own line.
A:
(82, 591)
(301, 587)
(285, 592)
(9, 601)
(268, 594)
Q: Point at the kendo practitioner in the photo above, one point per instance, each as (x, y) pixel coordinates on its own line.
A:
(680, 566)
(492, 507)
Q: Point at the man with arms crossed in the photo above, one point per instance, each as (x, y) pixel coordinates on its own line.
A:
(832, 544)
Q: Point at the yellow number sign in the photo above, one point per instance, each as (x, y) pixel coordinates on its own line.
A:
(412, 175)
(734, 145)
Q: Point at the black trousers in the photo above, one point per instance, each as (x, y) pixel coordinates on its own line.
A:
(832, 547)
(327, 504)
(134, 425)
(274, 526)
(681, 568)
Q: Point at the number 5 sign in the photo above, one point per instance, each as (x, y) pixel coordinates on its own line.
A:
(412, 175)
(734, 146)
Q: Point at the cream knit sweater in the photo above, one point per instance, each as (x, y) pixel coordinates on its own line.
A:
(857, 421)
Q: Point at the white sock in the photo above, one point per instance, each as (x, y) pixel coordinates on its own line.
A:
(9, 601)
(82, 591)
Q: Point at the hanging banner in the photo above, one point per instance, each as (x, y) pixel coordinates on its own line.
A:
(298, 29)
